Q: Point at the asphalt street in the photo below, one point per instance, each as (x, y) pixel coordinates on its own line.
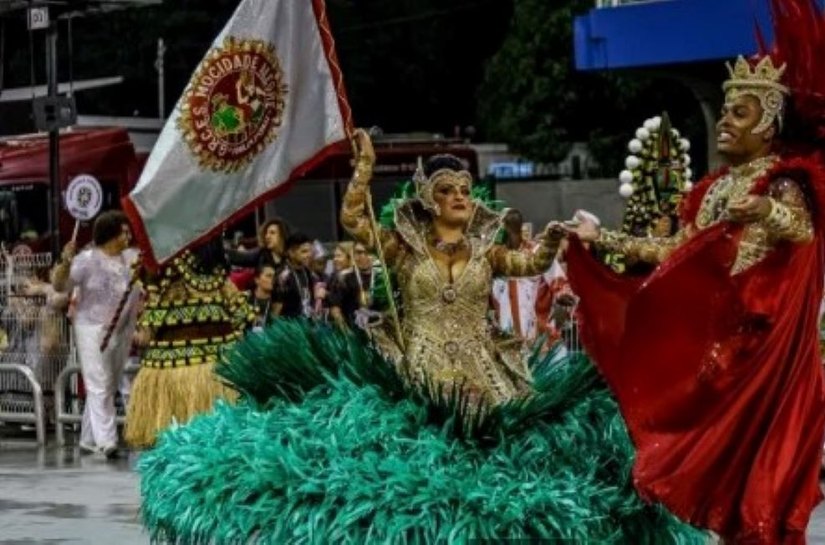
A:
(54, 495)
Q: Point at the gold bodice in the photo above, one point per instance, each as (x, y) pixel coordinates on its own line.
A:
(446, 333)
(788, 220)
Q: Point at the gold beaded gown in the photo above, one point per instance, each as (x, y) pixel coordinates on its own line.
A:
(447, 339)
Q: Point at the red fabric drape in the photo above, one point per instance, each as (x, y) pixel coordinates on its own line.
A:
(719, 379)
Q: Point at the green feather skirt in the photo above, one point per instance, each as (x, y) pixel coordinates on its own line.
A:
(329, 445)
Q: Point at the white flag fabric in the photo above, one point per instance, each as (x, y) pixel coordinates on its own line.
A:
(265, 104)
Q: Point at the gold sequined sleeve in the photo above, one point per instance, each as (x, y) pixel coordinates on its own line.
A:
(506, 262)
(789, 218)
(355, 216)
(652, 250)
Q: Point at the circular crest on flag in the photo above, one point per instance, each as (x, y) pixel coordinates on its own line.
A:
(84, 197)
(234, 104)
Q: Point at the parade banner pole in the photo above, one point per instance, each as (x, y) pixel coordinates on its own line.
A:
(379, 250)
(396, 319)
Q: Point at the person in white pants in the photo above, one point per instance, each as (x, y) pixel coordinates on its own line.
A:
(103, 322)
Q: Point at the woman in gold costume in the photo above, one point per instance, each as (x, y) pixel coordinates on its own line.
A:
(431, 432)
(444, 255)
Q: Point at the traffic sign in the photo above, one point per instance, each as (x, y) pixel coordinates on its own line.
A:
(38, 18)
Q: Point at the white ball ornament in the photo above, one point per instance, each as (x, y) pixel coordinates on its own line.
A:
(688, 186)
(657, 122)
(675, 133)
(632, 162)
(626, 190)
(686, 160)
(625, 177)
(650, 124)
(684, 143)
(642, 134)
(635, 146)
(688, 174)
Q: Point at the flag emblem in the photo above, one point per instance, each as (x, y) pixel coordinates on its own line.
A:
(234, 104)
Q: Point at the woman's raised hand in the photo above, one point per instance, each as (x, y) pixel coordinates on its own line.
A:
(362, 143)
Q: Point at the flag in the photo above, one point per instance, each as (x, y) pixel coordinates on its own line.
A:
(265, 104)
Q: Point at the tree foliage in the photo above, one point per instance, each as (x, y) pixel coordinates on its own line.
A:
(533, 97)
(408, 64)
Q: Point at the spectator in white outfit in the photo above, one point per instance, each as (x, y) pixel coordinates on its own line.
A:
(103, 322)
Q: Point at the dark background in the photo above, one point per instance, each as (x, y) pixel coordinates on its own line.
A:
(487, 70)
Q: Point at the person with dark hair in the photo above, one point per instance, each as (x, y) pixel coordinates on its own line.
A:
(295, 286)
(260, 297)
(443, 161)
(443, 250)
(713, 356)
(192, 313)
(352, 289)
(514, 300)
(108, 226)
(103, 321)
(433, 431)
(271, 238)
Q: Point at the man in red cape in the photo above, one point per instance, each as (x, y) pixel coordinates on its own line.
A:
(714, 357)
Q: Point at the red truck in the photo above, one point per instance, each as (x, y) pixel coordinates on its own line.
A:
(107, 154)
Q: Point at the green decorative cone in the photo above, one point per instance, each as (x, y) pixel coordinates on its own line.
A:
(328, 445)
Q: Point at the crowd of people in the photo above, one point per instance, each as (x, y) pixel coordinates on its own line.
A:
(711, 357)
(700, 406)
(176, 321)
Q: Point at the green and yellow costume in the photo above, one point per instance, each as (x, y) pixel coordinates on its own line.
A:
(190, 318)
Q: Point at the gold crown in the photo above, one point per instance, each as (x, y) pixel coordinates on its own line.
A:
(763, 82)
(764, 74)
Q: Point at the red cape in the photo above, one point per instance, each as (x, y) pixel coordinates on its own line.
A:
(719, 377)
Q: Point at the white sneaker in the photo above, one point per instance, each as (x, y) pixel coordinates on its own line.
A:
(88, 448)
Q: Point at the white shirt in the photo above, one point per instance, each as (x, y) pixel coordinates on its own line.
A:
(101, 281)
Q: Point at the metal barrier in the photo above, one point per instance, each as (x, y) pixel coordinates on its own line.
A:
(30, 410)
(69, 409)
(34, 340)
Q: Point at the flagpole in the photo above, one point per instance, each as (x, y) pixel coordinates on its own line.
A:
(379, 249)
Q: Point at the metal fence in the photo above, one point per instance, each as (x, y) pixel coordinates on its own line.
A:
(34, 341)
(69, 403)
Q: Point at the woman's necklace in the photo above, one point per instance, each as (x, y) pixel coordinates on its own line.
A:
(365, 295)
(450, 249)
(263, 306)
(303, 290)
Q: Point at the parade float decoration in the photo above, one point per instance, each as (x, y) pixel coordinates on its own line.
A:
(657, 174)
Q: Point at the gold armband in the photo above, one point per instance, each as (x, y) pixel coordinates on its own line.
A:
(788, 223)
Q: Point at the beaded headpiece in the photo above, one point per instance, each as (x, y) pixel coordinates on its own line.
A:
(424, 186)
(763, 82)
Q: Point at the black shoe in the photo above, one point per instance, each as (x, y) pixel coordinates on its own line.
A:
(111, 452)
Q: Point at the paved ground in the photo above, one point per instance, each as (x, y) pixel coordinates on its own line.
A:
(56, 496)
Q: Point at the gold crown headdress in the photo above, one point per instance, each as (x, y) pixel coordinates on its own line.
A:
(424, 186)
(763, 82)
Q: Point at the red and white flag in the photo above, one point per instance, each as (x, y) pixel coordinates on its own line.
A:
(265, 104)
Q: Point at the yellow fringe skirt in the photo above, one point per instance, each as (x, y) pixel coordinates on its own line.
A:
(160, 396)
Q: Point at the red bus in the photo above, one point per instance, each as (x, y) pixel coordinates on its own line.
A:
(106, 154)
